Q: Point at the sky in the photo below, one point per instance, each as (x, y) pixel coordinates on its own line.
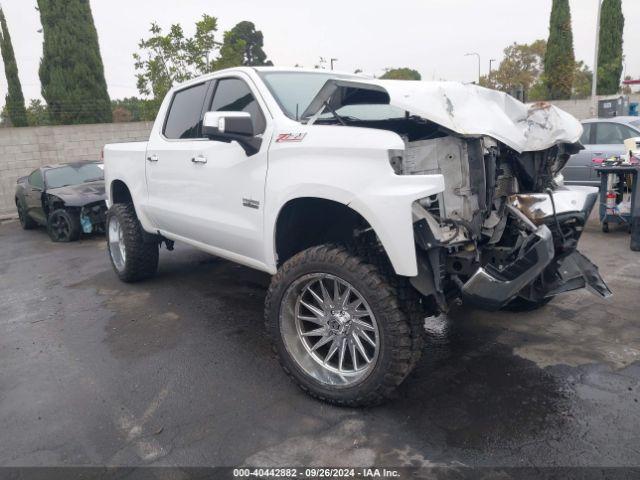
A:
(431, 36)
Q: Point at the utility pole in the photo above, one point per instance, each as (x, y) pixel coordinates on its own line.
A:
(479, 63)
(333, 60)
(594, 86)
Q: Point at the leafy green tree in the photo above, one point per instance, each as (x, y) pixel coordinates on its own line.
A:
(167, 59)
(521, 68)
(559, 61)
(610, 51)
(71, 69)
(38, 114)
(401, 74)
(16, 111)
(140, 109)
(232, 52)
(246, 39)
(582, 81)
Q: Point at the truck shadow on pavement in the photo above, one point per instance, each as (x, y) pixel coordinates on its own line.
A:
(468, 392)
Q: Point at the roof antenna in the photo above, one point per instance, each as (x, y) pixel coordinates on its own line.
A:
(297, 107)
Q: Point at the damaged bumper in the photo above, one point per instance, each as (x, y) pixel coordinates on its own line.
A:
(492, 289)
(544, 263)
(550, 255)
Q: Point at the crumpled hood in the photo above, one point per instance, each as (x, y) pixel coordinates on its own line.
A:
(475, 111)
(81, 194)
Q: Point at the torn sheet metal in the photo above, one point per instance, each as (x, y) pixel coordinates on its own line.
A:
(468, 110)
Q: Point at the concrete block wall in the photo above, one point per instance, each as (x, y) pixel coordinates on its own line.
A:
(24, 149)
(583, 109)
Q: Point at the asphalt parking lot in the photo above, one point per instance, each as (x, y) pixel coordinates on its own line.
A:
(177, 371)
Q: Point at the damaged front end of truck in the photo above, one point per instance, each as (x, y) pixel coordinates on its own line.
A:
(505, 230)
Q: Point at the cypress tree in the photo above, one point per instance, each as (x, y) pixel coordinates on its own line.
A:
(16, 110)
(71, 70)
(559, 60)
(610, 51)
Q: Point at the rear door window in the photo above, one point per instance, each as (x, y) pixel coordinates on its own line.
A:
(612, 133)
(184, 120)
(585, 139)
(234, 95)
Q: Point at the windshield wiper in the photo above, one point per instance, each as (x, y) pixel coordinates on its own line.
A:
(97, 179)
(335, 114)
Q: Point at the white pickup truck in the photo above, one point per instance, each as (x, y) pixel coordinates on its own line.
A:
(373, 204)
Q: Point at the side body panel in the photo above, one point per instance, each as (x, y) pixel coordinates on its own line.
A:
(350, 166)
(208, 191)
(343, 164)
(125, 162)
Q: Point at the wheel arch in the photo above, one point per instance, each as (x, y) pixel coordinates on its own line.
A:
(119, 192)
(308, 221)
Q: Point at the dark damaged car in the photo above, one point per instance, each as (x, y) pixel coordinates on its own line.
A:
(67, 199)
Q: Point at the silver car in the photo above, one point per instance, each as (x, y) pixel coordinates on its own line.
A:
(602, 138)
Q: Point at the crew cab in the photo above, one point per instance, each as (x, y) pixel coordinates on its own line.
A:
(372, 203)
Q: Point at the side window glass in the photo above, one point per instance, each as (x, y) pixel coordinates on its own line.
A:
(35, 179)
(585, 139)
(234, 95)
(627, 133)
(608, 134)
(185, 113)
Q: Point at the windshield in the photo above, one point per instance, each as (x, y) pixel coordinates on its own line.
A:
(73, 175)
(294, 91)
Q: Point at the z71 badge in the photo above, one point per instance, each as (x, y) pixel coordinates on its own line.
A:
(290, 137)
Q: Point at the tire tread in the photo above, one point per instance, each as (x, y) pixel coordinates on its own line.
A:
(403, 348)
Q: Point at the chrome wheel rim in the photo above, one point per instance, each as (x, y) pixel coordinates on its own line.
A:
(329, 330)
(117, 248)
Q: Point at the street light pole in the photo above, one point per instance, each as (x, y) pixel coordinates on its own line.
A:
(594, 86)
(333, 60)
(479, 63)
(491, 64)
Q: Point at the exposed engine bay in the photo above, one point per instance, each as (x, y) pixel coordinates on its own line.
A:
(505, 228)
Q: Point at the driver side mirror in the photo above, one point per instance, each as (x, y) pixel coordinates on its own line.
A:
(221, 123)
(232, 126)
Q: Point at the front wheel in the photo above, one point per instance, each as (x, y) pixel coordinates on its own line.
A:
(64, 226)
(132, 258)
(337, 327)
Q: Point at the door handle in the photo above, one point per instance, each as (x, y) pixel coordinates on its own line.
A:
(153, 158)
(199, 159)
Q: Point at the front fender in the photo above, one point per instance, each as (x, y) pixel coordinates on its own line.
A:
(385, 205)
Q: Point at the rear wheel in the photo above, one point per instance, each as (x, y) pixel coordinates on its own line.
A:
(26, 221)
(337, 327)
(63, 226)
(132, 258)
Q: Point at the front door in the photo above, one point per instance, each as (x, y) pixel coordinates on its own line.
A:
(213, 191)
(33, 197)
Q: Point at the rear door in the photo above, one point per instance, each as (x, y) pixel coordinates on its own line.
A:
(169, 167)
